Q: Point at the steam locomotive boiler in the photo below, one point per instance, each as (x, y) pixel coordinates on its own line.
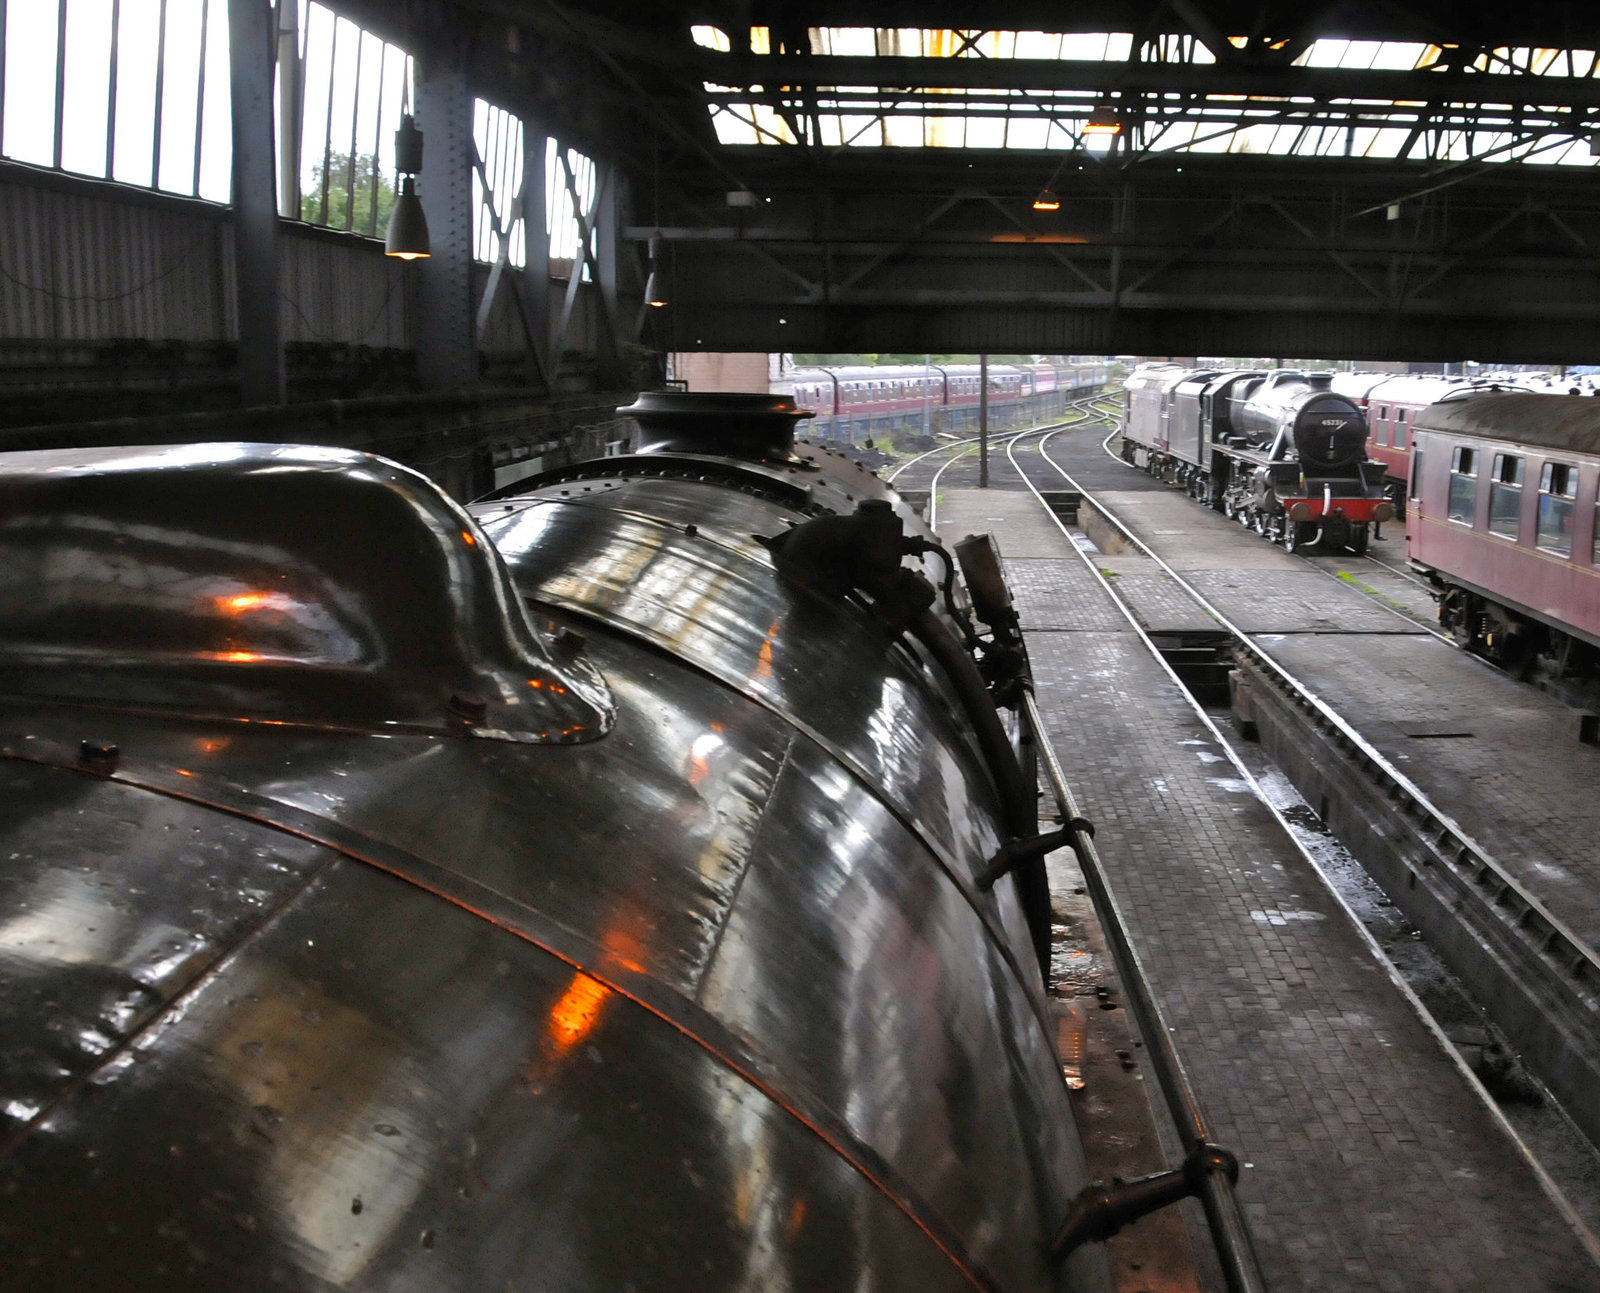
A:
(592, 891)
(1281, 452)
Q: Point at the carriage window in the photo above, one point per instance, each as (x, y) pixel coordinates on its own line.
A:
(1558, 486)
(1380, 425)
(1463, 485)
(1416, 476)
(1505, 496)
(1400, 428)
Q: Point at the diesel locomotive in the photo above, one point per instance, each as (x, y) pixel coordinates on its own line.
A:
(593, 889)
(1278, 451)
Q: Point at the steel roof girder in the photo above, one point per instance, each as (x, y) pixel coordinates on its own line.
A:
(1098, 77)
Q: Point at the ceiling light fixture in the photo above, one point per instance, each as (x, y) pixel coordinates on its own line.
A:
(1046, 201)
(1103, 120)
(407, 235)
(655, 294)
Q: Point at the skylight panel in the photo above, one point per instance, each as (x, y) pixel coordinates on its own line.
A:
(731, 128)
(1032, 133)
(1399, 56)
(844, 40)
(1107, 47)
(1037, 44)
(1377, 142)
(986, 132)
(935, 115)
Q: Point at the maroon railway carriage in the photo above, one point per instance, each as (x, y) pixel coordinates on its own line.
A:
(1391, 403)
(1504, 490)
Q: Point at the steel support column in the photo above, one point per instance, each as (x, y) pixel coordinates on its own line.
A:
(255, 203)
(536, 231)
(291, 71)
(983, 421)
(607, 227)
(446, 340)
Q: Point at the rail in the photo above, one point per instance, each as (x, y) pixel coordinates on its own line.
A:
(1553, 940)
(1471, 874)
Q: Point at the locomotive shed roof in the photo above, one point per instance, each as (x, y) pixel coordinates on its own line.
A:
(1351, 179)
(1570, 422)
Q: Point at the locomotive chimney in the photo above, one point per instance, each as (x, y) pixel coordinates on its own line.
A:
(739, 425)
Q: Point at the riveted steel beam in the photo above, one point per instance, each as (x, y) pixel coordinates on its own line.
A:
(255, 203)
(446, 339)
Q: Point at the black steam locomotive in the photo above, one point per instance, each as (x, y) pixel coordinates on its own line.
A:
(1278, 451)
(590, 891)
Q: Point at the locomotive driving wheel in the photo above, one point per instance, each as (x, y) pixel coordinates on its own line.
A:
(1296, 535)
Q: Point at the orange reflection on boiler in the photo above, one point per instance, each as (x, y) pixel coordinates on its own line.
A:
(700, 752)
(576, 1012)
(797, 1218)
(241, 603)
(623, 948)
(763, 670)
(466, 537)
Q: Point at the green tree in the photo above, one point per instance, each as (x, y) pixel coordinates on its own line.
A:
(364, 220)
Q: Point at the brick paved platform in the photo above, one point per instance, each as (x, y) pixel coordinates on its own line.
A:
(1520, 784)
(1372, 1162)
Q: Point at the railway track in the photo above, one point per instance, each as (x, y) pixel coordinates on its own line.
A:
(1538, 979)
(927, 471)
(1418, 608)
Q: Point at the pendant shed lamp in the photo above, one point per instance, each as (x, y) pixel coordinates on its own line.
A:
(654, 291)
(407, 236)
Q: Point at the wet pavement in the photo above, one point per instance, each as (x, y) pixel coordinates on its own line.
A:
(1372, 1161)
(1496, 755)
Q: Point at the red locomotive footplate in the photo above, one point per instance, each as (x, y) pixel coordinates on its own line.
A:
(1352, 509)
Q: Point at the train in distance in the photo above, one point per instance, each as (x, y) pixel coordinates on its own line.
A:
(861, 402)
(461, 899)
(1280, 451)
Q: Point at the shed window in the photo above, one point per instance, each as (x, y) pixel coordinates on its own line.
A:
(1463, 485)
(1505, 496)
(1558, 487)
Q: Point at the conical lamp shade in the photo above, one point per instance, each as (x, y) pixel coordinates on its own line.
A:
(407, 237)
(653, 293)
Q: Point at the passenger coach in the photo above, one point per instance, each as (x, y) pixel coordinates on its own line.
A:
(1504, 489)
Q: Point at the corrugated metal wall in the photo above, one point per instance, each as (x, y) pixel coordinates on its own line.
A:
(80, 267)
(91, 264)
(343, 289)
